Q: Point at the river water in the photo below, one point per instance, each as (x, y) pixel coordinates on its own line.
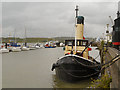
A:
(32, 69)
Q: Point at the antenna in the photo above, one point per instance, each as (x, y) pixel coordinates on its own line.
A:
(111, 20)
(76, 11)
(119, 6)
(118, 12)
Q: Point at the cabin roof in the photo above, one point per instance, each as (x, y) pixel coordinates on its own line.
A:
(77, 40)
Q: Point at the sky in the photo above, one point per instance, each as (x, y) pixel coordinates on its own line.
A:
(55, 19)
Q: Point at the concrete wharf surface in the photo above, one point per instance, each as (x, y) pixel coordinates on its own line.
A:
(114, 69)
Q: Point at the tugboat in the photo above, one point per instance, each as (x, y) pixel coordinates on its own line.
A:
(116, 30)
(76, 65)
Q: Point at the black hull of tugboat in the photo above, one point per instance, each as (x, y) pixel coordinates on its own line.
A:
(74, 69)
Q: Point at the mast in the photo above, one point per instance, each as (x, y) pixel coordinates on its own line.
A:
(76, 25)
(118, 13)
(15, 35)
(25, 38)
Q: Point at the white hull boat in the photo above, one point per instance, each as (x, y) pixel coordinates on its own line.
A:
(10, 48)
(4, 50)
(16, 49)
(25, 49)
(37, 47)
(32, 48)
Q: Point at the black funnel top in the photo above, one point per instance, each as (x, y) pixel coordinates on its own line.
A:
(80, 20)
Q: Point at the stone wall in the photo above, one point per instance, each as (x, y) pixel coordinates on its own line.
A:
(114, 69)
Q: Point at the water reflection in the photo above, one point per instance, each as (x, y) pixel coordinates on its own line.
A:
(57, 83)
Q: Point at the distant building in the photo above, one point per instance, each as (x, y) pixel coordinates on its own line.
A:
(108, 37)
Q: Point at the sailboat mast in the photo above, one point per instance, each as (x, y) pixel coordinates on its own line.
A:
(25, 37)
(15, 35)
(76, 25)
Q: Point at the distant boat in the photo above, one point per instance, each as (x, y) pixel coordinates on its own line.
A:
(32, 47)
(14, 47)
(37, 45)
(50, 45)
(4, 50)
(25, 47)
(42, 46)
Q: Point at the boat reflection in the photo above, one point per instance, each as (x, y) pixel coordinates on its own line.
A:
(57, 83)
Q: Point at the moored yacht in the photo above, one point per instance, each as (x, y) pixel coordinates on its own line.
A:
(16, 49)
(24, 48)
(4, 50)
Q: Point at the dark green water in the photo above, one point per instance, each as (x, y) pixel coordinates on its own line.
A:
(32, 69)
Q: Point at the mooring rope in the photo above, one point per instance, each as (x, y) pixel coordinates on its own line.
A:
(97, 56)
(90, 74)
(78, 76)
(98, 65)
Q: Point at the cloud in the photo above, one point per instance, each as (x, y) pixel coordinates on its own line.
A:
(0, 19)
(50, 19)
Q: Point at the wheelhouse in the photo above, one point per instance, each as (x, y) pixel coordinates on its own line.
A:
(80, 46)
(78, 42)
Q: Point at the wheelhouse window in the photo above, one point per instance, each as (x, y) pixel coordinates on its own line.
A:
(84, 43)
(69, 43)
(78, 43)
